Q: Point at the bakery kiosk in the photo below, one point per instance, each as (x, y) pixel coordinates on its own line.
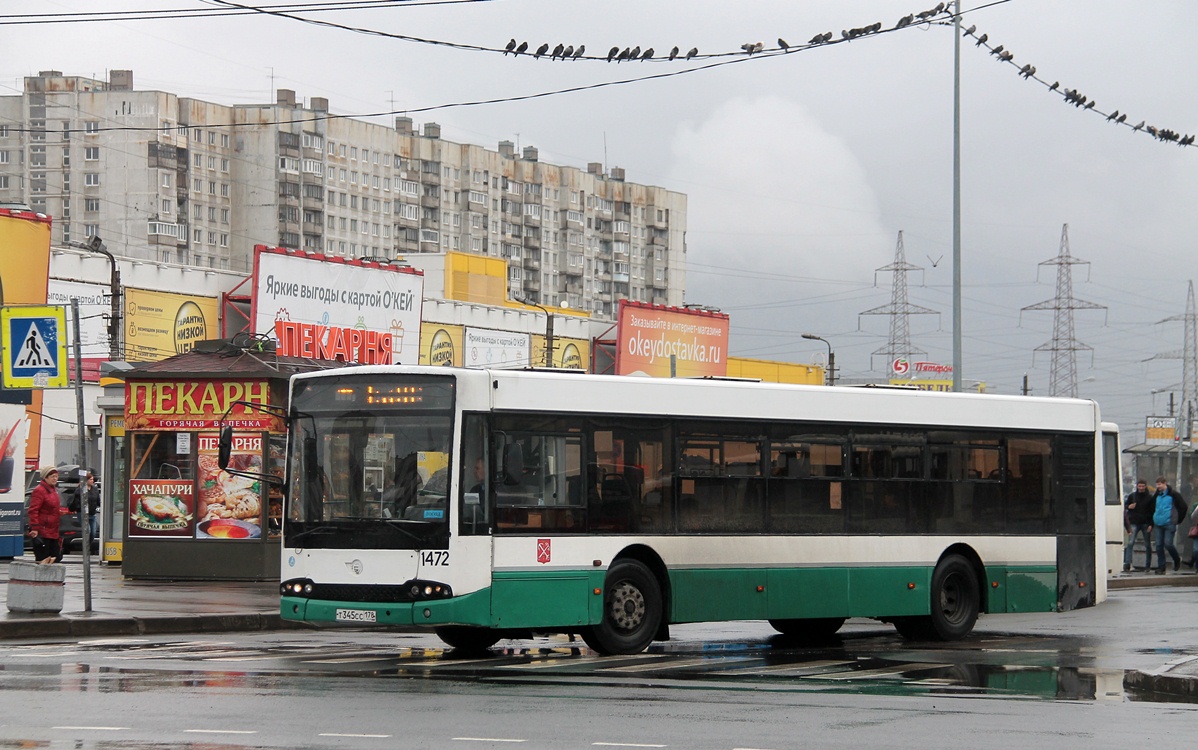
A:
(185, 518)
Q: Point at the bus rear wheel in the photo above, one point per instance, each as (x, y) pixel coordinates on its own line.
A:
(809, 629)
(956, 602)
(466, 638)
(632, 610)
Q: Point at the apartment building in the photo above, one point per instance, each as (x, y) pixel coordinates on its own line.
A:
(180, 180)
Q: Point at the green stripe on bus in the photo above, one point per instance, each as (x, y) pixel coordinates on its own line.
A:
(566, 598)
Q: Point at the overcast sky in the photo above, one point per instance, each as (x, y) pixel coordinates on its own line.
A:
(800, 169)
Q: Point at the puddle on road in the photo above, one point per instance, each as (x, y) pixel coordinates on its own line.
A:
(1048, 668)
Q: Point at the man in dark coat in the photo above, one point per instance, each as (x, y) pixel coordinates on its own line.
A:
(1137, 522)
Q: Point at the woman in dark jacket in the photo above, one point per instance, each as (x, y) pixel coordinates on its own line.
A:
(44, 518)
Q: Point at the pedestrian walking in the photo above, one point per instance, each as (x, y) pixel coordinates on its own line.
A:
(87, 494)
(44, 518)
(1169, 508)
(1137, 522)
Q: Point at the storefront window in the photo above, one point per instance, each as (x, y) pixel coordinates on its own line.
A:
(162, 488)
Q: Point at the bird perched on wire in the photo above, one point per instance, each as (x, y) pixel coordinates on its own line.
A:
(782, 43)
(905, 21)
(752, 47)
(635, 53)
(970, 30)
(1120, 119)
(1112, 115)
(510, 46)
(1006, 56)
(522, 48)
(982, 40)
(817, 39)
(1055, 85)
(578, 52)
(647, 54)
(624, 53)
(1139, 127)
(997, 50)
(692, 52)
(541, 50)
(673, 53)
(567, 52)
(557, 51)
(611, 53)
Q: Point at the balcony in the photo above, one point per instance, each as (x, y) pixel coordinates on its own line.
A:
(430, 201)
(532, 243)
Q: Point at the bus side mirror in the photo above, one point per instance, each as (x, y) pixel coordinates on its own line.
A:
(224, 447)
(513, 464)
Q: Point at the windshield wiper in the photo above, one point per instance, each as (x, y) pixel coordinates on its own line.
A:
(291, 539)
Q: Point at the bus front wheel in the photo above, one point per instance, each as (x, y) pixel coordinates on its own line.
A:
(466, 638)
(632, 610)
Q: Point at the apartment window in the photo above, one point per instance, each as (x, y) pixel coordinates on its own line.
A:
(211, 138)
(164, 229)
(91, 126)
(224, 189)
(313, 166)
(197, 212)
(37, 156)
(289, 164)
(224, 240)
(91, 230)
(409, 187)
(386, 184)
(212, 162)
(211, 188)
(574, 196)
(353, 178)
(3, 131)
(313, 141)
(166, 206)
(91, 153)
(3, 157)
(212, 238)
(4, 182)
(197, 185)
(430, 235)
(211, 213)
(376, 182)
(353, 225)
(408, 211)
(353, 153)
(38, 130)
(353, 201)
(197, 160)
(91, 179)
(224, 216)
(224, 165)
(91, 204)
(197, 236)
(166, 179)
(224, 140)
(477, 197)
(341, 175)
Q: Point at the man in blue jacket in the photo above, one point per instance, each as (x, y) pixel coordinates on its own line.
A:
(1169, 508)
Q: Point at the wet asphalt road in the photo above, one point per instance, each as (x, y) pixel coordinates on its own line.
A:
(1052, 679)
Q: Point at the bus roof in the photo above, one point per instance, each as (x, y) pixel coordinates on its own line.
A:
(533, 390)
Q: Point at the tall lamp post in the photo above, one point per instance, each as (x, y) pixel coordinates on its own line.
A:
(831, 356)
(548, 329)
(96, 245)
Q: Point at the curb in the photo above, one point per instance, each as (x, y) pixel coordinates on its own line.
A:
(42, 626)
(1164, 681)
(1148, 580)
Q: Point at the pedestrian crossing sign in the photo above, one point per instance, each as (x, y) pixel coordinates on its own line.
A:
(33, 338)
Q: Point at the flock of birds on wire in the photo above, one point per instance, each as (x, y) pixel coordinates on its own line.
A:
(1028, 71)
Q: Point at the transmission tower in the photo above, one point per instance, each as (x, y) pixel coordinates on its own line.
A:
(899, 309)
(1188, 354)
(1064, 346)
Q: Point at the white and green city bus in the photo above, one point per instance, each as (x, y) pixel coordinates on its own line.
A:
(489, 504)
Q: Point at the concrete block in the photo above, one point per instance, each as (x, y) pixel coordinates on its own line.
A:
(35, 588)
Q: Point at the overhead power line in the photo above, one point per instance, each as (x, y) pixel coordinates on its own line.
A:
(171, 14)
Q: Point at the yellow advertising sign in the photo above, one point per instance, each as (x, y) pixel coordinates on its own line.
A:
(568, 353)
(440, 345)
(162, 324)
(650, 337)
(24, 257)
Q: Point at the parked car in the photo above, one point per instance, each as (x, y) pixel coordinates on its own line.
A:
(68, 527)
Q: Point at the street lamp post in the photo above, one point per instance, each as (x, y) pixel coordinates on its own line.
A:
(96, 245)
(548, 329)
(831, 356)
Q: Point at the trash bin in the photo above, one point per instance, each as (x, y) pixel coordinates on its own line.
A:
(35, 588)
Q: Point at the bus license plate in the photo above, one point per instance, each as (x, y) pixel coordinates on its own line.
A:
(356, 615)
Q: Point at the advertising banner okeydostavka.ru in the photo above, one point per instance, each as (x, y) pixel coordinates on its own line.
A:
(649, 335)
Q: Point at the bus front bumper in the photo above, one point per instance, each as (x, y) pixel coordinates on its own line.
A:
(469, 609)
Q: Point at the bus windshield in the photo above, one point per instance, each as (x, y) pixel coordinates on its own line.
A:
(370, 464)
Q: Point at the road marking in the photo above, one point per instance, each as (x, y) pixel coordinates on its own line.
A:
(675, 664)
(221, 731)
(801, 668)
(484, 739)
(96, 729)
(347, 660)
(336, 734)
(623, 744)
(867, 674)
